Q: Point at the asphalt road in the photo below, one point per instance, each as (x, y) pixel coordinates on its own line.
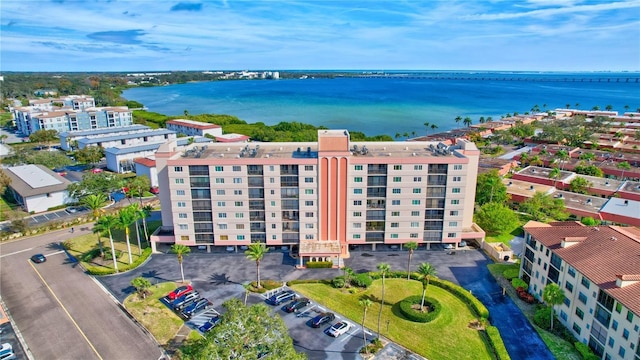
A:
(63, 313)
(219, 276)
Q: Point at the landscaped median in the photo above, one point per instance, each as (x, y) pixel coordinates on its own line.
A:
(447, 336)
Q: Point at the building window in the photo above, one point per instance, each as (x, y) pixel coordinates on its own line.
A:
(273, 203)
(222, 215)
(415, 202)
(417, 178)
(453, 223)
(417, 167)
(580, 313)
(415, 213)
(629, 316)
(357, 179)
(182, 215)
(357, 225)
(618, 308)
(395, 202)
(413, 235)
(182, 204)
(308, 191)
(237, 168)
(455, 202)
(415, 224)
(397, 167)
(453, 213)
(397, 179)
(308, 226)
(183, 226)
(563, 315)
(457, 178)
(457, 167)
(180, 192)
(394, 236)
(177, 168)
(625, 334)
(308, 180)
(356, 236)
(308, 167)
(357, 167)
(357, 202)
(224, 237)
(585, 282)
(179, 181)
(621, 351)
(614, 325)
(568, 286)
(611, 342)
(357, 213)
(571, 271)
(576, 328)
(239, 215)
(237, 180)
(221, 203)
(451, 235)
(357, 191)
(238, 203)
(239, 226)
(240, 237)
(218, 168)
(417, 191)
(237, 192)
(395, 213)
(184, 237)
(308, 214)
(395, 225)
(219, 180)
(222, 226)
(455, 190)
(396, 191)
(308, 203)
(220, 192)
(582, 297)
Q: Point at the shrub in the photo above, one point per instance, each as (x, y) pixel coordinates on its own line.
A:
(542, 318)
(517, 282)
(93, 270)
(493, 336)
(308, 281)
(406, 308)
(266, 285)
(585, 351)
(363, 280)
(108, 256)
(319, 264)
(510, 274)
(338, 282)
(90, 255)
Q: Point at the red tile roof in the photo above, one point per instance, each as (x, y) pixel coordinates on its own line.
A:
(145, 162)
(605, 253)
(193, 124)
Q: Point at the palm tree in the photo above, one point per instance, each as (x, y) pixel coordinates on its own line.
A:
(256, 252)
(554, 174)
(524, 158)
(348, 273)
(181, 251)
(426, 271)
(105, 224)
(411, 246)
(563, 156)
(489, 119)
(609, 107)
(434, 127)
(95, 202)
(383, 268)
(426, 125)
(481, 120)
(553, 295)
(567, 105)
(125, 218)
(467, 121)
(145, 212)
(458, 119)
(623, 166)
(365, 303)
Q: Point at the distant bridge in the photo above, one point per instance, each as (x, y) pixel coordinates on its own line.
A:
(506, 78)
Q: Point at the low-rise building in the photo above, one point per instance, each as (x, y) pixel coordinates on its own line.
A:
(599, 270)
(194, 128)
(68, 139)
(37, 188)
(134, 138)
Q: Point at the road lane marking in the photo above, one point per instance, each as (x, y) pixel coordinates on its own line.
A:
(55, 253)
(16, 252)
(65, 310)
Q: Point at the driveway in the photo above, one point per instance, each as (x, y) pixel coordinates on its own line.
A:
(219, 276)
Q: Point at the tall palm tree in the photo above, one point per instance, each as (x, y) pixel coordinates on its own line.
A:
(256, 252)
(366, 304)
(623, 166)
(125, 219)
(554, 174)
(95, 202)
(553, 295)
(145, 212)
(458, 119)
(411, 246)
(384, 269)
(105, 224)
(426, 271)
(563, 156)
(482, 120)
(489, 119)
(426, 125)
(524, 158)
(181, 251)
(434, 127)
(467, 121)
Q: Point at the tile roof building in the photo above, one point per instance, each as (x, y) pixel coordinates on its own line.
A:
(322, 196)
(599, 270)
(192, 128)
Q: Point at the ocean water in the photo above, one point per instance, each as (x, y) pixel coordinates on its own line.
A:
(392, 105)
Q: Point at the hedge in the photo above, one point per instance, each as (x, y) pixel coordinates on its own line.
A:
(94, 270)
(517, 282)
(309, 281)
(266, 285)
(585, 351)
(510, 274)
(416, 316)
(495, 340)
(319, 264)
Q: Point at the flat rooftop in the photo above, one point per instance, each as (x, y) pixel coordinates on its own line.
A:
(543, 173)
(631, 187)
(34, 176)
(105, 130)
(581, 202)
(622, 207)
(525, 188)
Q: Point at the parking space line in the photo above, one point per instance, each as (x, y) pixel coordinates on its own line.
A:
(65, 310)
(16, 252)
(55, 253)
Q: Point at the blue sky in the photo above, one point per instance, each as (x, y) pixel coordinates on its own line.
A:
(151, 35)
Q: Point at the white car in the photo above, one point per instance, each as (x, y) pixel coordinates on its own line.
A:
(339, 328)
(448, 246)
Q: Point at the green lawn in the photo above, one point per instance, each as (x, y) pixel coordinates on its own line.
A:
(153, 314)
(447, 337)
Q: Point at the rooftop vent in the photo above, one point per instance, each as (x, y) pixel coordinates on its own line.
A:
(531, 187)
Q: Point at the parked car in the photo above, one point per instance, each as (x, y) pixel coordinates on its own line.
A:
(96, 170)
(179, 291)
(339, 328)
(462, 243)
(210, 324)
(6, 352)
(196, 307)
(448, 246)
(281, 297)
(296, 305)
(185, 300)
(155, 190)
(322, 319)
(38, 258)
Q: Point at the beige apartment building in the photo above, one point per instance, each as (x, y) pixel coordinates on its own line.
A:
(323, 196)
(599, 270)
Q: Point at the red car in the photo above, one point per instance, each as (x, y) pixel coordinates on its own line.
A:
(179, 292)
(155, 190)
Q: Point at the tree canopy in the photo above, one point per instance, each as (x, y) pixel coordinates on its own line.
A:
(543, 207)
(496, 218)
(244, 333)
(490, 188)
(91, 183)
(89, 154)
(50, 159)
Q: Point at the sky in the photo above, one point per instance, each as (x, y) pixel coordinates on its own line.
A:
(160, 35)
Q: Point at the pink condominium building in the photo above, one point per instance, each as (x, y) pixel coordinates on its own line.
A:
(323, 196)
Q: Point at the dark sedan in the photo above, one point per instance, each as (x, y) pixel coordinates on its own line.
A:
(323, 318)
(196, 307)
(206, 327)
(296, 305)
(38, 258)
